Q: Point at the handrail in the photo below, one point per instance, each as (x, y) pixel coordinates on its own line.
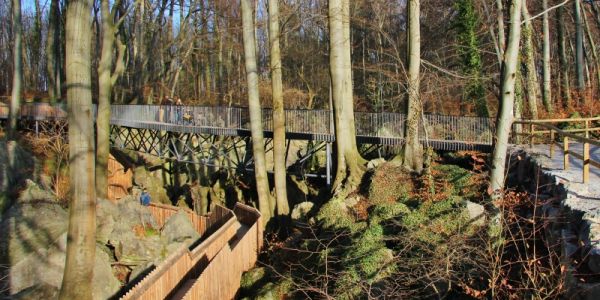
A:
(585, 156)
(561, 120)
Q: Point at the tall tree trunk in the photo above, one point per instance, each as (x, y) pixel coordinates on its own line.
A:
(81, 242)
(15, 100)
(590, 36)
(505, 114)
(265, 204)
(547, 96)
(530, 67)
(562, 53)
(53, 52)
(413, 150)
(501, 34)
(283, 207)
(349, 162)
(106, 80)
(579, 55)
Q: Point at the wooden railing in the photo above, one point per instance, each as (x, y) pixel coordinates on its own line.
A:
(212, 266)
(568, 135)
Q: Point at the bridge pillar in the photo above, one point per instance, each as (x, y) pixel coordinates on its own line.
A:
(328, 164)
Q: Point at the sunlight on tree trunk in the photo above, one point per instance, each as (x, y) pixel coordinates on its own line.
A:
(53, 52)
(531, 78)
(350, 165)
(413, 150)
(81, 243)
(278, 112)
(265, 204)
(15, 100)
(547, 96)
(505, 114)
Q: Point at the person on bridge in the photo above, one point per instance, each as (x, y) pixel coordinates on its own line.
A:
(179, 111)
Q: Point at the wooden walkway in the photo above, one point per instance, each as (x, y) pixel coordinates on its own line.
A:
(440, 132)
(211, 268)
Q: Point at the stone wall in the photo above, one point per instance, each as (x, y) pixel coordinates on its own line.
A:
(570, 220)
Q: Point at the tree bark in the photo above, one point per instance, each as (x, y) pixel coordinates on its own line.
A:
(590, 37)
(530, 67)
(579, 55)
(106, 80)
(53, 52)
(413, 150)
(266, 206)
(81, 243)
(283, 207)
(15, 100)
(505, 114)
(562, 52)
(349, 162)
(547, 95)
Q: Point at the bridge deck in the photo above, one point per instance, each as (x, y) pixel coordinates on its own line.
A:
(441, 132)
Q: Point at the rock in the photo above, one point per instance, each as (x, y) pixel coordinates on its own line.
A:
(105, 285)
(154, 185)
(28, 227)
(476, 213)
(178, 228)
(135, 250)
(594, 261)
(375, 163)
(38, 291)
(105, 219)
(33, 192)
(301, 210)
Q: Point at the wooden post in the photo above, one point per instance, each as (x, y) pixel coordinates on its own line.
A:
(551, 143)
(587, 128)
(586, 161)
(530, 135)
(566, 152)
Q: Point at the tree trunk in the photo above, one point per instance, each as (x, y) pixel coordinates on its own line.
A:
(562, 52)
(283, 207)
(260, 169)
(81, 242)
(505, 114)
(53, 52)
(501, 34)
(579, 55)
(413, 150)
(15, 100)
(530, 67)
(590, 36)
(349, 162)
(547, 96)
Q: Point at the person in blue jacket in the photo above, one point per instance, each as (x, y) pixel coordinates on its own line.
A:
(145, 198)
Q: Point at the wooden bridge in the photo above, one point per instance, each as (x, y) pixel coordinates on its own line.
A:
(229, 244)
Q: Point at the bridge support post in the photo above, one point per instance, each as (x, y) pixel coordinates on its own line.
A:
(328, 163)
(586, 162)
(551, 143)
(566, 152)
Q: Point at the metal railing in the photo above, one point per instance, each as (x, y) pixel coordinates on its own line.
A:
(567, 135)
(384, 125)
(381, 127)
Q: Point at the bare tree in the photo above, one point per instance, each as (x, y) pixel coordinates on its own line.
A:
(505, 114)
(413, 150)
(15, 100)
(53, 52)
(106, 80)
(81, 242)
(547, 96)
(278, 112)
(531, 83)
(265, 204)
(350, 165)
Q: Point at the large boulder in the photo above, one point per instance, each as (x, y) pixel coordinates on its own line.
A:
(153, 184)
(301, 211)
(179, 228)
(33, 192)
(28, 227)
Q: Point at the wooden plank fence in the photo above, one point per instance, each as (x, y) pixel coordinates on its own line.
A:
(212, 268)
